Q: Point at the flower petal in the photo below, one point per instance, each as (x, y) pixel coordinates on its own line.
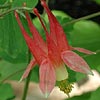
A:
(56, 30)
(36, 36)
(30, 42)
(61, 72)
(83, 50)
(52, 47)
(25, 34)
(28, 69)
(47, 77)
(75, 62)
(37, 52)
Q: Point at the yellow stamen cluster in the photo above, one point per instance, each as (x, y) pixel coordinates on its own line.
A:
(65, 86)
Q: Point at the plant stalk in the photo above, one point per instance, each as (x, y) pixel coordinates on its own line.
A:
(5, 6)
(83, 18)
(26, 86)
(27, 80)
(13, 9)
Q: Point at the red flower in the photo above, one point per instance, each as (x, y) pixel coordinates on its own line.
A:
(52, 55)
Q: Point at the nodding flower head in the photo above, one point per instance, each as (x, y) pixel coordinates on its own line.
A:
(53, 54)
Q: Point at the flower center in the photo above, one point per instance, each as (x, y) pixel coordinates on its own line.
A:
(65, 86)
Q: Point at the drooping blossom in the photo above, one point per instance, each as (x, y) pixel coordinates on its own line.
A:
(53, 54)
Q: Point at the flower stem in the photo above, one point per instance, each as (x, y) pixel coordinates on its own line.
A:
(5, 6)
(26, 86)
(83, 18)
(13, 9)
(27, 80)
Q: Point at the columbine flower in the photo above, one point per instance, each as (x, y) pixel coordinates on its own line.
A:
(53, 54)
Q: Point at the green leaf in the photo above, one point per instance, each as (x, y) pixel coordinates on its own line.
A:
(85, 96)
(98, 68)
(15, 71)
(7, 69)
(2, 2)
(0, 75)
(12, 44)
(60, 13)
(35, 74)
(95, 94)
(80, 76)
(6, 92)
(71, 75)
(97, 1)
(86, 33)
(94, 61)
(29, 3)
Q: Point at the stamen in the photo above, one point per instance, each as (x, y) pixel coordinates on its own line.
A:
(65, 86)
